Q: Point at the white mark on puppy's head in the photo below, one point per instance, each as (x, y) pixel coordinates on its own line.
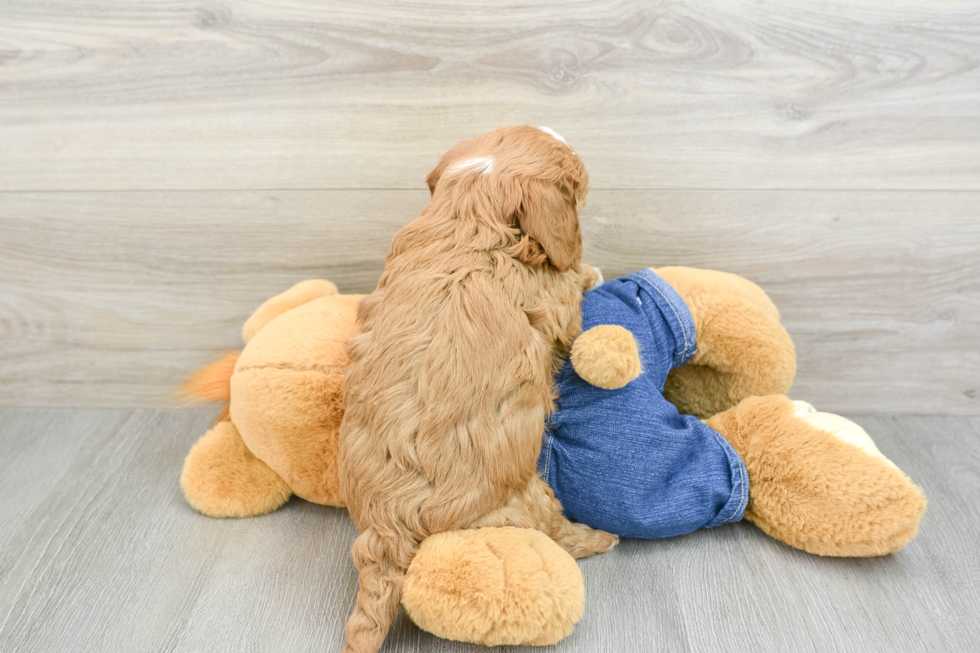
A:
(552, 132)
(483, 164)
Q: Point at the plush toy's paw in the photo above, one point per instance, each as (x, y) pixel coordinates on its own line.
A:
(222, 478)
(818, 482)
(606, 356)
(840, 427)
(592, 275)
(494, 586)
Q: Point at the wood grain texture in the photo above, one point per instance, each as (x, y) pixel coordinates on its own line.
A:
(245, 94)
(110, 299)
(166, 166)
(99, 552)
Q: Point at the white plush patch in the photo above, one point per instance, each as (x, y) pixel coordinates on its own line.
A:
(551, 132)
(841, 428)
(483, 164)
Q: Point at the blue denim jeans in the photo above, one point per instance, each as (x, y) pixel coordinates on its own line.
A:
(624, 460)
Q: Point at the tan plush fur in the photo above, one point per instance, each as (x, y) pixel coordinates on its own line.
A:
(297, 433)
(495, 586)
(222, 478)
(302, 293)
(606, 356)
(743, 349)
(284, 402)
(808, 488)
(815, 492)
(451, 380)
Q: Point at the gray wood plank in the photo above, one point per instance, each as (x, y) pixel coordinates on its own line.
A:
(109, 299)
(99, 552)
(114, 559)
(695, 94)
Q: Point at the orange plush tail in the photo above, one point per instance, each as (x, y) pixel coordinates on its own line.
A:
(211, 384)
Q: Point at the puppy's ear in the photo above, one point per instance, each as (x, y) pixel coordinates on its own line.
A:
(548, 214)
(456, 152)
(434, 176)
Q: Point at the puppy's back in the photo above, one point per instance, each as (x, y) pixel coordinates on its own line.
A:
(450, 384)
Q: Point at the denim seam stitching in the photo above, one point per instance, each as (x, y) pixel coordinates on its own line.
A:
(547, 458)
(743, 499)
(672, 308)
(743, 502)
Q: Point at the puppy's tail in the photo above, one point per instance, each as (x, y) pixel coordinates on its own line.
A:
(210, 384)
(382, 573)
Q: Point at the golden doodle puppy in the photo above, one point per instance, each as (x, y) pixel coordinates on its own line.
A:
(452, 376)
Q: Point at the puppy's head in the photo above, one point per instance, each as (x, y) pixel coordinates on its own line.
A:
(519, 177)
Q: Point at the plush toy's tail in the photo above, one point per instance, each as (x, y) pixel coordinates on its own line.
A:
(211, 384)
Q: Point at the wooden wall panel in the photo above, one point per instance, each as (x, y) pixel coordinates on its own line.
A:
(110, 298)
(166, 166)
(247, 94)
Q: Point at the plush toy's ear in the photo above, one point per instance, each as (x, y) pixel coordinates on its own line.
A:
(548, 213)
(301, 293)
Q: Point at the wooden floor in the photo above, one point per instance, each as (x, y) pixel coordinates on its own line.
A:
(99, 552)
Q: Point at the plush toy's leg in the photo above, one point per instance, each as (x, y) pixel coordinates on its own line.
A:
(494, 586)
(222, 478)
(743, 349)
(817, 481)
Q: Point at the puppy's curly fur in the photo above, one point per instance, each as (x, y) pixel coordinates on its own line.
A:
(452, 376)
